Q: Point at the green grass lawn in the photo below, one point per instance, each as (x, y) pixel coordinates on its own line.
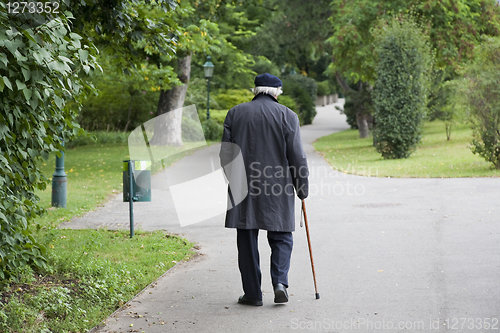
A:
(90, 273)
(94, 172)
(435, 157)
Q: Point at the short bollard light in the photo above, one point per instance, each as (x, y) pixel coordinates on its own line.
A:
(59, 183)
(136, 185)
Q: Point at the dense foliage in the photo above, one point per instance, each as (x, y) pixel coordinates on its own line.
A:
(323, 88)
(303, 90)
(287, 101)
(232, 97)
(42, 85)
(293, 34)
(358, 104)
(123, 101)
(44, 72)
(482, 96)
(455, 28)
(400, 93)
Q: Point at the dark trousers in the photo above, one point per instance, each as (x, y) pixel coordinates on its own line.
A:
(281, 244)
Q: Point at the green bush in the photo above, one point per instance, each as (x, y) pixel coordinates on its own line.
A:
(350, 110)
(40, 95)
(109, 110)
(190, 129)
(197, 94)
(212, 129)
(288, 102)
(401, 87)
(232, 97)
(358, 103)
(323, 88)
(218, 115)
(333, 86)
(303, 90)
(98, 137)
(482, 96)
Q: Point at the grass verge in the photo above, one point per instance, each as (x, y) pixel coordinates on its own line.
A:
(90, 272)
(435, 157)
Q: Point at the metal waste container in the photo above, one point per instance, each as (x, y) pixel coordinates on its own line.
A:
(141, 180)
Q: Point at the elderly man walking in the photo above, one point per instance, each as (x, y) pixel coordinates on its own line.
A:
(268, 136)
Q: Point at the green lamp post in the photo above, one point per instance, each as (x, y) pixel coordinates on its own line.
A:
(208, 68)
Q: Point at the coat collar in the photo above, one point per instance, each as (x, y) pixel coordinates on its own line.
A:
(263, 96)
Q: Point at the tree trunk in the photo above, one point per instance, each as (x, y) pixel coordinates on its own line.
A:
(364, 130)
(168, 131)
(361, 115)
(447, 126)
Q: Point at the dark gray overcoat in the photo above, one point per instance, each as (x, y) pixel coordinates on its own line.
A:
(268, 135)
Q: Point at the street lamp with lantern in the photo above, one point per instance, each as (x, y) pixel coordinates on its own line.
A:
(208, 68)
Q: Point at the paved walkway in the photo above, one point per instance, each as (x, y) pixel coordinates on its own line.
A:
(399, 255)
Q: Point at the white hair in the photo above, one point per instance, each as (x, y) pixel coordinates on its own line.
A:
(273, 91)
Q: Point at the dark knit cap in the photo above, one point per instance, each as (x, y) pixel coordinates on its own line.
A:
(267, 80)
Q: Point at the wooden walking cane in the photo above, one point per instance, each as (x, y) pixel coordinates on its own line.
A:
(310, 249)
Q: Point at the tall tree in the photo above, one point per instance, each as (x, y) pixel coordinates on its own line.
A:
(455, 27)
(130, 32)
(199, 33)
(293, 32)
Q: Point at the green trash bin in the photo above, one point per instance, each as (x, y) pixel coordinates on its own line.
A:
(141, 182)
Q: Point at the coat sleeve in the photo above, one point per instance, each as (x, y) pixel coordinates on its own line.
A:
(226, 151)
(296, 156)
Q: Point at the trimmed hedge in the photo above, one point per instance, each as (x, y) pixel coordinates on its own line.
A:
(233, 97)
(401, 87)
(323, 88)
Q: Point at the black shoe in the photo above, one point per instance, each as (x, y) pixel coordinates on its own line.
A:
(280, 294)
(247, 301)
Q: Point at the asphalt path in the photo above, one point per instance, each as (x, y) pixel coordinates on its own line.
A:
(391, 255)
